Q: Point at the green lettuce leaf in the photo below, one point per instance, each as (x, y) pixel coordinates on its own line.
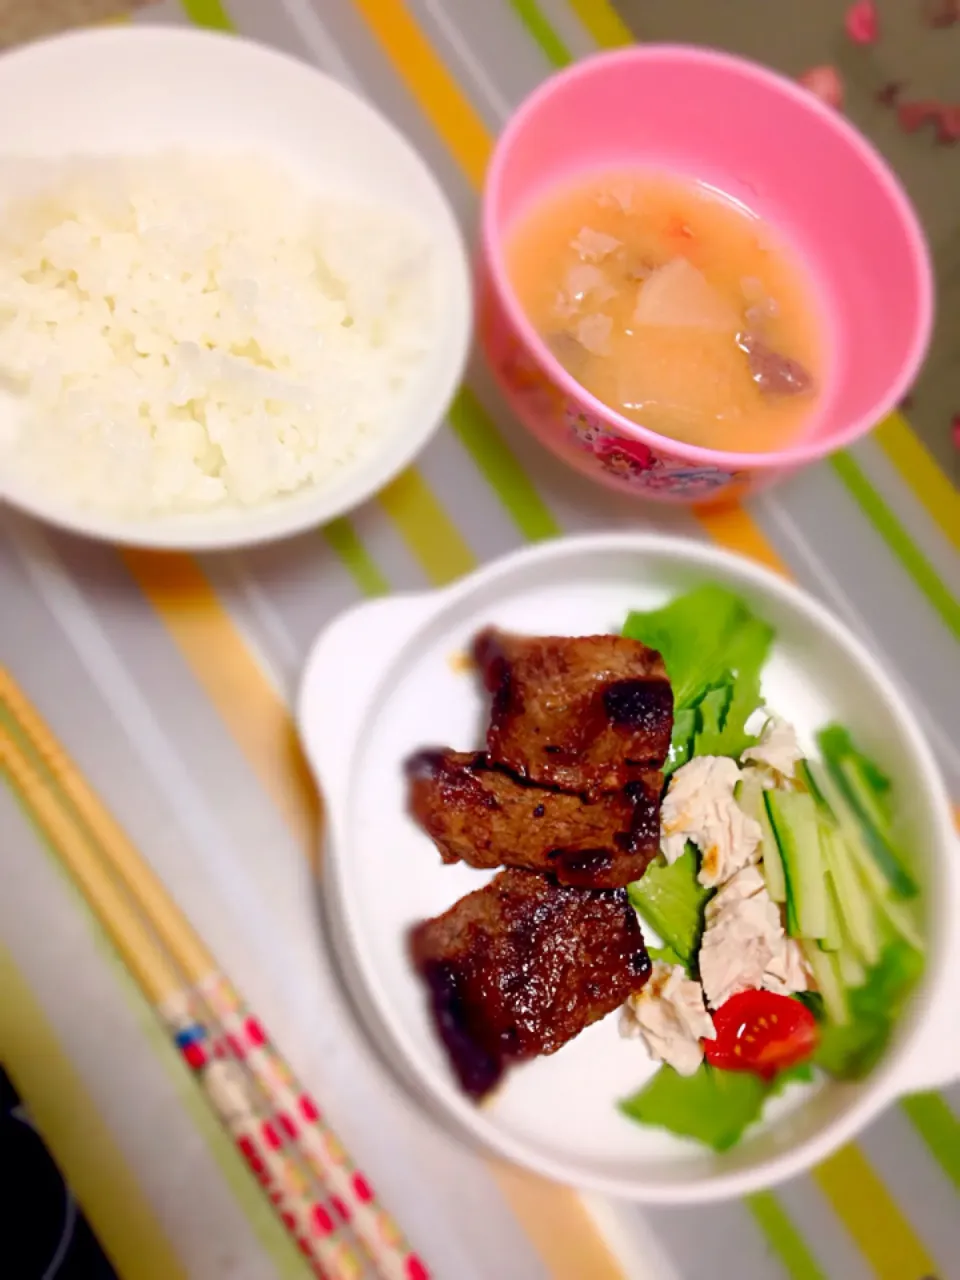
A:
(799, 1073)
(692, 634)
(670, 899)
(667, 955)
(711, 714)
(714, 650)
(714, 1107)
(681, 741)
(746, 656)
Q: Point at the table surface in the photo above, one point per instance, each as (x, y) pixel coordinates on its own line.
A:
(170, 679)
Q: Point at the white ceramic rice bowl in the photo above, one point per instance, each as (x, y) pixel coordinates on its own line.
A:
(383, 680)
(142, 89)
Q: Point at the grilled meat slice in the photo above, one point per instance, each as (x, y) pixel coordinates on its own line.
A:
(579, 713)
(521, 966)
(484, 816)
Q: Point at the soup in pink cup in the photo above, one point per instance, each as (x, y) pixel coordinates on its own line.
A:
(770, 146)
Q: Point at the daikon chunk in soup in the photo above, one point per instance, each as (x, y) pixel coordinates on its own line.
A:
(675, 306)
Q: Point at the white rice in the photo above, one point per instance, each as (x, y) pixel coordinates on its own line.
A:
(187, 332)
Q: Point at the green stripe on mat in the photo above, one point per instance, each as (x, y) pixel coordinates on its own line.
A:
(500, 468)
(939, 1128)
(895, 536)
(783, 1237)
(342, 538)
(248, 1195)
(541, 32)
(208, 13)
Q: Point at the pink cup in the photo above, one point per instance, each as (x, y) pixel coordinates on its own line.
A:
(766, 142)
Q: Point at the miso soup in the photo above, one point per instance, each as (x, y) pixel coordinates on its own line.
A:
(675, 306)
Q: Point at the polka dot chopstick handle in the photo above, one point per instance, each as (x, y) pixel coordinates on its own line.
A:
(244, 1108)
(298, 1117)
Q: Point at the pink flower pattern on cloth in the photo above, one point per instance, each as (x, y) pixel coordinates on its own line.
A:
(863, 22)
(914, 114)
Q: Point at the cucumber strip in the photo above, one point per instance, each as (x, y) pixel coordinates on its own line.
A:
(850, 821)
(857, 912)
(901, 920)
(858, 790)
(793, 818)
(826, 974)
(896, 914)
(807, 776)
(772, 866)
(749, 795)
(832, 940)
(876, 830)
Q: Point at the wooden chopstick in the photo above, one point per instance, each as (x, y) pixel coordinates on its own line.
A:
(181, 979)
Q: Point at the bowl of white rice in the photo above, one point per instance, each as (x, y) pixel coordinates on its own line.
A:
(234, 302)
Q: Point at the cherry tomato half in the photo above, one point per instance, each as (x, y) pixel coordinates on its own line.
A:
(762, 1032)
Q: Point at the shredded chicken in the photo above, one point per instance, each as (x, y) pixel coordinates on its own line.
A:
(777, 752)
(788, 971)
(744, 946)
(669, 1014)
(699, 806)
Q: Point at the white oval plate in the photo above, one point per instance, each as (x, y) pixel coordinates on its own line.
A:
(137, 90)
(387, 678)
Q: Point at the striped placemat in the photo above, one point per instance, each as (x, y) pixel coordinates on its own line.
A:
(170, 680)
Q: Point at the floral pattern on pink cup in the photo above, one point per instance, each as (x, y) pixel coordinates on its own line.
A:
(636, 464)
(625, 461)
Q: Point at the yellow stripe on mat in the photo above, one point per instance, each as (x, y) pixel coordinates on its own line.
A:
(77, 1138)
(603, 23)
(556, 1220)
(916, 467)
(430, 84)
(870, 1214)
(734, 529)
(426, 528)
(233, 680)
